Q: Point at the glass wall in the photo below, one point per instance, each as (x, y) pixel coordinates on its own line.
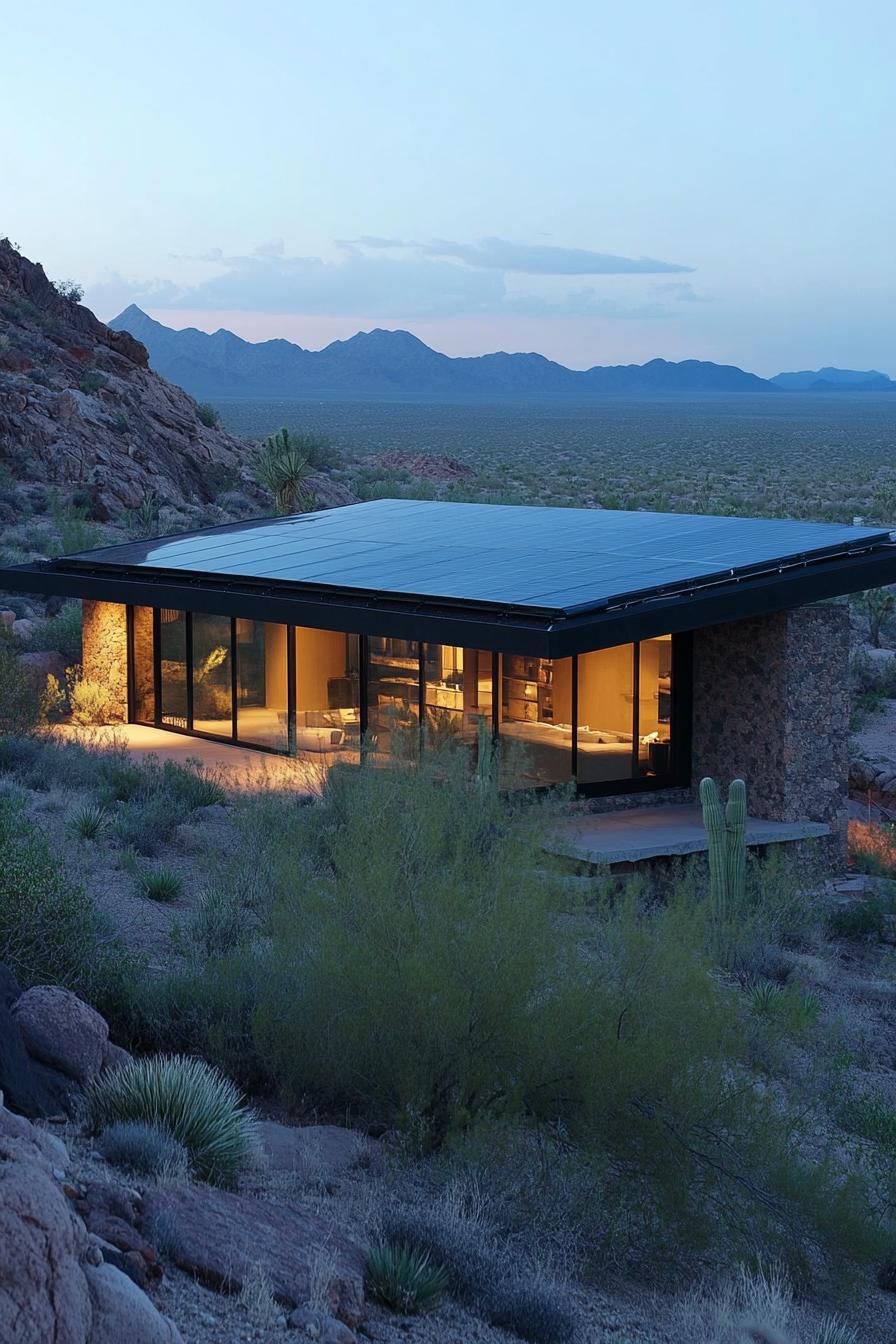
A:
(143, 666)
(605, 737)
(212, 689)
(393, 694)
(655, 707)
(262, 702)
(328, 702)
(457, 694)
(173, 660)
(535, 723)
(430, 694)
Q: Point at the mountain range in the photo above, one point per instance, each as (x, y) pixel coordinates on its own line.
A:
(396, 364)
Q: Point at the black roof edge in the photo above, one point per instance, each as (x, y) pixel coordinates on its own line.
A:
(500, 628)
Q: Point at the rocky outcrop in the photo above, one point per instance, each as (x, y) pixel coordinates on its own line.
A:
(59, 1030)
(80, 408)
(51, 1046)
(222, 1238)
(54, 1284)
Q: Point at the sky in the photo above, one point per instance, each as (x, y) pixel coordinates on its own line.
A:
(603, 183)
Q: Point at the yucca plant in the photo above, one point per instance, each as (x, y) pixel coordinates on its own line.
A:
(161, 884)
(833, 1330)
(404, 1278)
(283, 468)
(189, 1100)
(89, 822)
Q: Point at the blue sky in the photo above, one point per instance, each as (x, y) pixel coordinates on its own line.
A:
(603, 183)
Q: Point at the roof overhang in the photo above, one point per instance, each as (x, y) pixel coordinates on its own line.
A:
(506, 629)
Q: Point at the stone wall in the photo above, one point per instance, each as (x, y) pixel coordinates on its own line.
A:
(771, 704)
(105, 651)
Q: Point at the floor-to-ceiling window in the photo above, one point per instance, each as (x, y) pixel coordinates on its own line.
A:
(294, 688)
(212, 675)
(393, 695)
(655, 706)
(605, 749)
(457, 694)
(328, 702)
(173, 709)
(262, 698)
(535, 723)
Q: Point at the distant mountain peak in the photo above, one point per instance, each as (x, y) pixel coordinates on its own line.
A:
(396, 363)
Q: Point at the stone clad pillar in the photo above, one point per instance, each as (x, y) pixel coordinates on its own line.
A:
(771, 704)
(105, 650)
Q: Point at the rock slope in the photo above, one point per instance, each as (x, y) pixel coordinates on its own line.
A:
(80, 408)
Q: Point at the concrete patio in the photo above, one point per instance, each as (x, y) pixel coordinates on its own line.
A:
(660, 832)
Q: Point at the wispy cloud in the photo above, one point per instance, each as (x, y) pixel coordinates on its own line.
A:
(393, 278)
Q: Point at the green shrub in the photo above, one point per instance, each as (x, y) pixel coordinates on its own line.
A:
(207, 415)
(162, 884)
(76, 532)
(61, 634)
(414, 949)
(833, 1330)
(92, 704)
(190, 1100)
(143, 1150)
(120, 780)
(92, 382)
(50, 930)
(144, 824)
(533, 1311)
(403, 1278)
(283, 467)
(867, 918)
(189, 784)
(20, 701)
(89, 822)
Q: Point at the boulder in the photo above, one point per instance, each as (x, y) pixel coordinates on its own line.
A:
(60, 1030)
(121, 1313)
(220, 1238)
(28, 1087)
(24, 630)
(43, 1291)
(115, 1057)
(48, 1151)
(310, 1152)
(7, 618)
(38, 667)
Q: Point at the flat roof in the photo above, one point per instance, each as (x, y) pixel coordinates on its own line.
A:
(514, 567)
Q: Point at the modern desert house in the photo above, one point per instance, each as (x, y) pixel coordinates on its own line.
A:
(630, 652)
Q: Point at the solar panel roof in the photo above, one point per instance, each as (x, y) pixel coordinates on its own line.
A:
(537, 559)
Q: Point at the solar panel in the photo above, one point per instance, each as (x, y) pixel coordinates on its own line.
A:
(521, 556)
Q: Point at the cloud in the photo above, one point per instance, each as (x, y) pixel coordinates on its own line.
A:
(391, 278)
(546, 259)
(681, 292)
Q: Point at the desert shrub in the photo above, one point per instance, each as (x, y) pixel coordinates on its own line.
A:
(404, 1278)
(207, 415)
(69, 289)
(534, 1311)
(92, 382)
(866, 918)
(18, 753)
(91, 702)
(144, 824)
(189, 784)
(143, 1150)
(412, 951)
(61, 633)
(50, 930)
(872, 848)
(833, 1330)
(190, 1100)
(89, 822)
(20, 704)
(120, 780)
(429, 969)
(481, 1272)
(160, 884)
(75, 530)
(217, 922)
(62, 764)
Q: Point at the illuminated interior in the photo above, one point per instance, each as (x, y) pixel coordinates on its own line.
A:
(604, 718)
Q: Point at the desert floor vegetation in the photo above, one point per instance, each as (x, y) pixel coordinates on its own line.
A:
(578, 1083)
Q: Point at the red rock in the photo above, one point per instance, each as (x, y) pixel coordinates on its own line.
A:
(58, 1029)
(220, 1237)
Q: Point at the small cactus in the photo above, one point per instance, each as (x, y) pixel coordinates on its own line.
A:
(726, 829)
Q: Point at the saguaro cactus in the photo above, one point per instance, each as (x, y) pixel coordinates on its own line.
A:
(726, 829)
